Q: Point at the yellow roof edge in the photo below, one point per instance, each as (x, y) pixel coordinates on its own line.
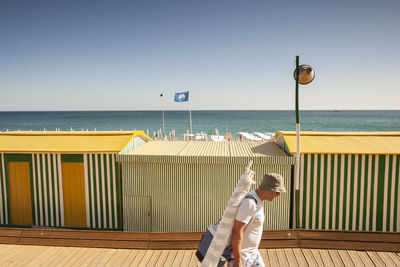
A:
(313, 133)
(79, 133)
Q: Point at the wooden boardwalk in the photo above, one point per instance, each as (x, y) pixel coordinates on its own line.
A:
(21, 255)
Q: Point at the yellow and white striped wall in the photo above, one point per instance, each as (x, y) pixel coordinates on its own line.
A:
(101, 189)
(164, 193)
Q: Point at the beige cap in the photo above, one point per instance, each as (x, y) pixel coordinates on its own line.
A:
(273, 182)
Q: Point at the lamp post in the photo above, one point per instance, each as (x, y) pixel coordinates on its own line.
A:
(303, 74)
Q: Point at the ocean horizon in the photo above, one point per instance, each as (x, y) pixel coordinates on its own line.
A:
(207, 121)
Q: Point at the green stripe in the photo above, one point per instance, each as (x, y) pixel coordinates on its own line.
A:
(359, 197)
(96, 225)
(352, 189)
(305, 190)
(2, 193)
(311, 193)
(106, 189)
(396, 195)
(380, 195)
(366, 197)
(89, 174)
(331, 192)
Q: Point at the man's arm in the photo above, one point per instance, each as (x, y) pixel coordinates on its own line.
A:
(236, 240)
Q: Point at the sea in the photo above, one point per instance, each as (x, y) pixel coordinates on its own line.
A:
(207, 121)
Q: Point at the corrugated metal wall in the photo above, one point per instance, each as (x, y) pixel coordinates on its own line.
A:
(101, 189)
(3, 194)
(350, 192)
(189, 193)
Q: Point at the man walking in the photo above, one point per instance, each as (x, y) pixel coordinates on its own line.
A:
(248, 227)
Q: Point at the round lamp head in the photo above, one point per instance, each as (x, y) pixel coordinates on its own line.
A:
(306, 74)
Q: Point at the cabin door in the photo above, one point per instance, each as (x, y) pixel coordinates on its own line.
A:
(20, 193)
(74, 194)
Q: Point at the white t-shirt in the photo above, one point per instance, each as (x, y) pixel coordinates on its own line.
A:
(252, 215)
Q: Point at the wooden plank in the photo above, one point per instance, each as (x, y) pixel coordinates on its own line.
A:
(365, 258)
(375, 258)
(395, 258)
(355, 258)
(130, 257)
(186, 258)
(273, 258)
(76, 257)
(280, 253)
(317, 257)
(264, 256)
(5, 249)
(386, 259)
(326, 258)
(84, 257)
(30, 254)
(301, 260)
(366, 236)
(96, 252)
(323, 244)
(11, 256)
(344, 255)
(309, 257)
(170, 258)
(194, 262)
(138, 258)
(162, 258)
(337, 260)
(10, 232)
(178, 258)
(279, 244)
(61, 258)
(40, 259)
(118, 257)
(154, 257)
(290, 257)
(146, 258)
(107, 256)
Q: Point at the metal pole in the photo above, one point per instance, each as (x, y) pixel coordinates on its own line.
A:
(297, 174)
(190, 115)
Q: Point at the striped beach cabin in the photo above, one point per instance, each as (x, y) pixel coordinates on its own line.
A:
(172, 186)
(62, 179)
(348, 181)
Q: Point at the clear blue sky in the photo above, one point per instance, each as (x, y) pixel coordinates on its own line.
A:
(112, 55)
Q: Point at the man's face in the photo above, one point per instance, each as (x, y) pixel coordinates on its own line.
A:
(269, 196)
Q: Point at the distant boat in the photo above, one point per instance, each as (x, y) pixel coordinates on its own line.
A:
(335, 110)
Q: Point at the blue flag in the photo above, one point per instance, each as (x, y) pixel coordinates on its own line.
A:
(182, 97)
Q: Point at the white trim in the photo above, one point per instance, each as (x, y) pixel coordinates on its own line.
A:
(335, 177)
(374, 210)
(321, 191)
(385, 193)
(34, 189)
(61, 188)
(362, 200)
(108, 179)
(368, 199)
(315, 178)
(340, 226)
(349, 161)
(393, 192)
(328, 191)
(308, 193)
(45, 190)
(103, 190)
(85, 170)
(114, 203)
(96, 165)
(355, 191)
(50, 189)
(301, 183)
(398, 199)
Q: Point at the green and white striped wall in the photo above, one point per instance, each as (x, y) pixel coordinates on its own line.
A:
(349, 192)
(101, 189)
(187, 193)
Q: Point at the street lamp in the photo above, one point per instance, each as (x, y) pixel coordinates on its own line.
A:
(303, 74)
